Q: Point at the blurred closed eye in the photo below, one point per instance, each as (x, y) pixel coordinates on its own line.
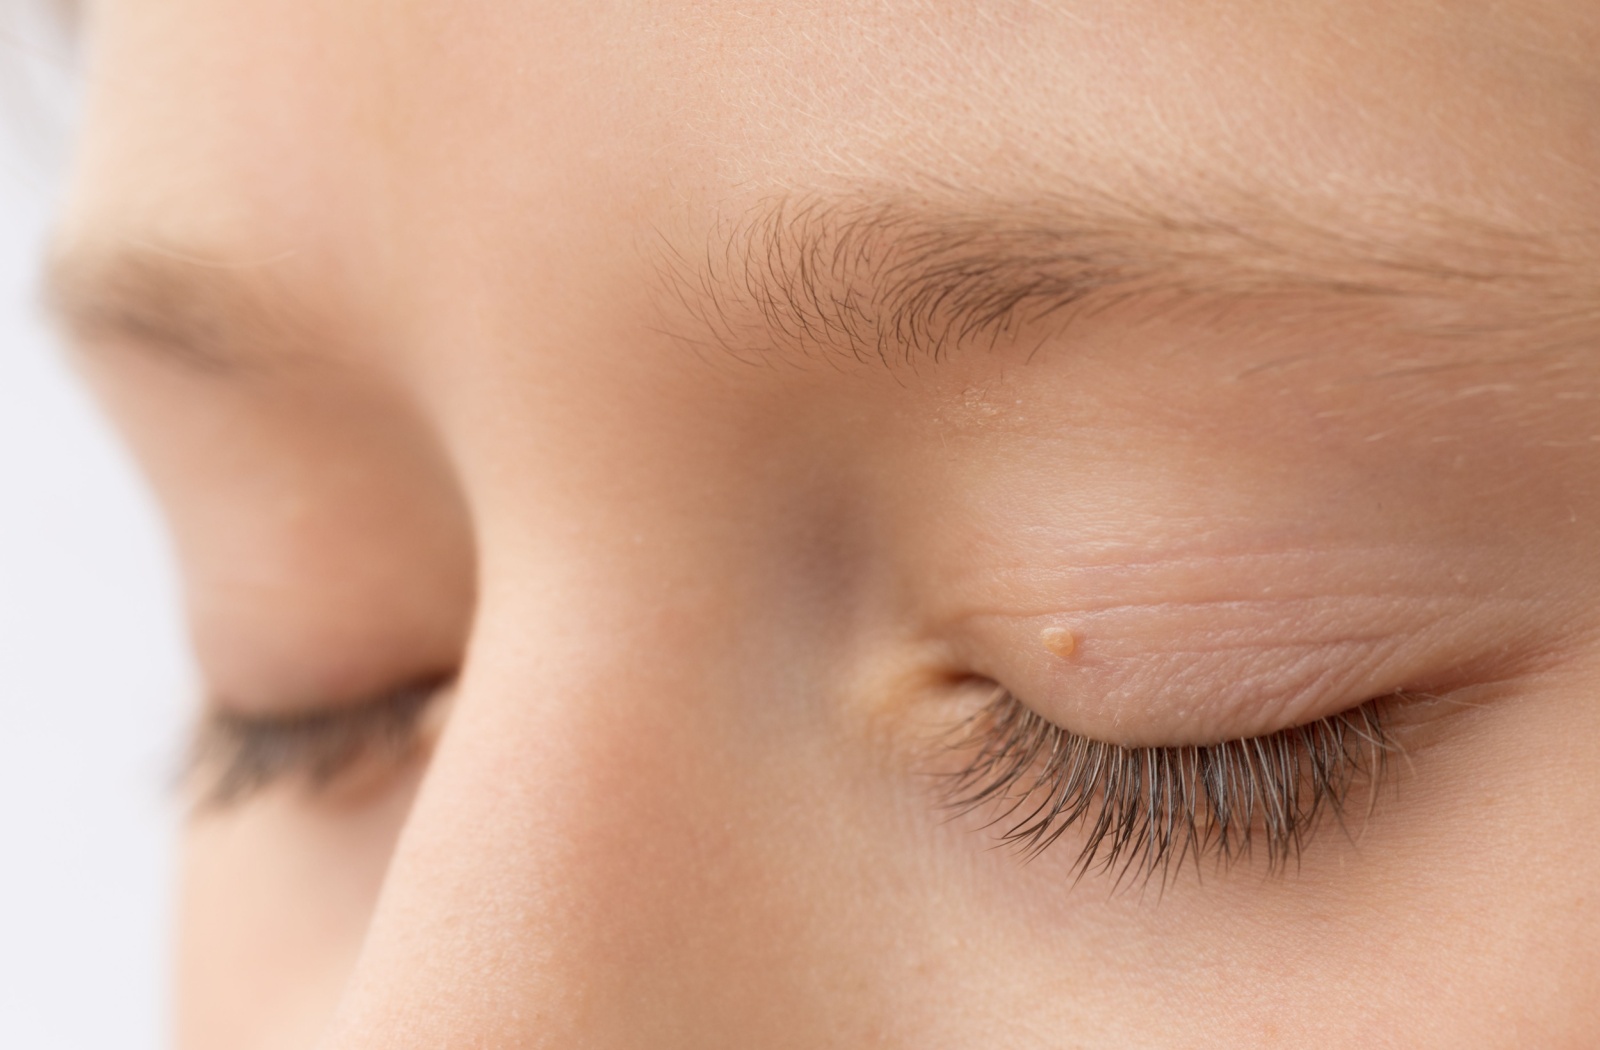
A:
(236, 756)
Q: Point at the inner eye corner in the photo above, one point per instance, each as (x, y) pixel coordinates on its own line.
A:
(969, 682)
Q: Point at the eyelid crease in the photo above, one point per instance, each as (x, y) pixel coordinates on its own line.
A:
(1146, 810)
(234, 756)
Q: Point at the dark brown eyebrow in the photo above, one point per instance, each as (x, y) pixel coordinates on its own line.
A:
(891, 276)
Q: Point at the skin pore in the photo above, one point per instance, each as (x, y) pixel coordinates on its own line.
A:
(727, 401)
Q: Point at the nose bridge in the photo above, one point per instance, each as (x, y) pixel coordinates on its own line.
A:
(567, 874)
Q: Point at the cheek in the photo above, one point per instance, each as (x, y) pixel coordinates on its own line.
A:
(276, 900)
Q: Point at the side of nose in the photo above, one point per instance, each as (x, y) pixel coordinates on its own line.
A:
(644, 826)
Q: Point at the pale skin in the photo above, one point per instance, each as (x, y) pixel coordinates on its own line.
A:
(511, 344)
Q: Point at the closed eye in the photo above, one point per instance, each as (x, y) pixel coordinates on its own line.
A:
(235, 756)
(1144, 811)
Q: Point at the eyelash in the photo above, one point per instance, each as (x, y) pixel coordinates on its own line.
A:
(235, 757)
(1148, 809)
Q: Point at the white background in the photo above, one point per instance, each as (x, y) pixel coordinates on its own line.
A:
(93, 680)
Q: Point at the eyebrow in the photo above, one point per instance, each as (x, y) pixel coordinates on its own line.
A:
(186, 308)
(893, 277)
(890, 277)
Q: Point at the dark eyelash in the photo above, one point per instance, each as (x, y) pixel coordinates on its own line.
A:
(1148, 809)
(234, 756)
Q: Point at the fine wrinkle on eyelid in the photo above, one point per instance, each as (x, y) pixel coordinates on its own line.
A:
(1253, 606)
(1172, 697)
(1181, 673)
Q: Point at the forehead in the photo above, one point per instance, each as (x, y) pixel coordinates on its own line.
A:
(1297, 94)
(426, 156)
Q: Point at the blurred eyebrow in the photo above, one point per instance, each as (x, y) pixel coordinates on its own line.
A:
(893, 277)
(202, 315)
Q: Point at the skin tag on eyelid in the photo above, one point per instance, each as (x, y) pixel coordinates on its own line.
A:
(1059, 641)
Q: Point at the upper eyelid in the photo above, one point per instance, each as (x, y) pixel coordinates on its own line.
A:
(233, 755)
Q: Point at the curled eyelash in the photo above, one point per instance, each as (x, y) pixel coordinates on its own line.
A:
(235, 756)
(1146, 810)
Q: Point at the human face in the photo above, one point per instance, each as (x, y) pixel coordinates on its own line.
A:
(675, 422)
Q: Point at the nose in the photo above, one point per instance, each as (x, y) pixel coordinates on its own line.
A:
(638, 830)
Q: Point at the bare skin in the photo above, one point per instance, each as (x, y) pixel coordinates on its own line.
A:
(724, 401)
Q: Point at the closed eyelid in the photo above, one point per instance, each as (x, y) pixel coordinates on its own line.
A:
(1194, 649)
(206, 317)
(1145, 811)
(235, 756)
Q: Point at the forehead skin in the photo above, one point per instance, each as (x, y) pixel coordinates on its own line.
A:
(481, 125)
(515, 215)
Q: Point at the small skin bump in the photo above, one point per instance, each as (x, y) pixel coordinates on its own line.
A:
(1059, 640)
